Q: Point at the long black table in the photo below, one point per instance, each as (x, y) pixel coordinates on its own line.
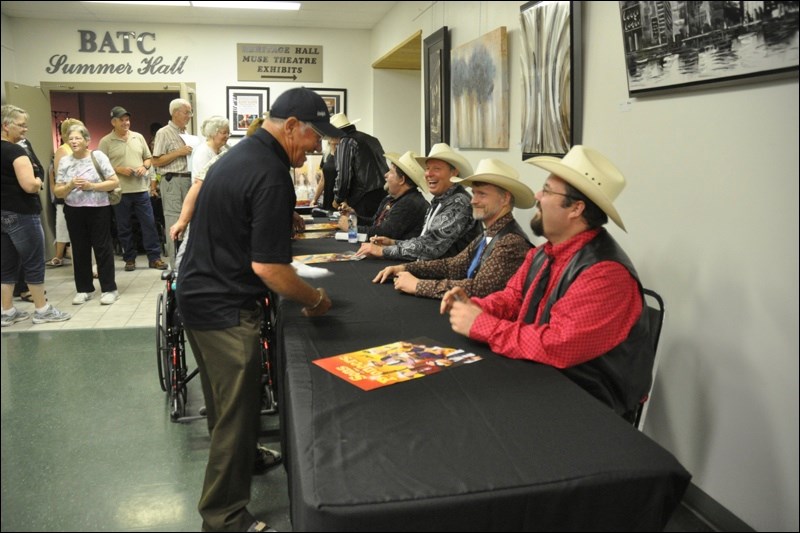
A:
(497, 445)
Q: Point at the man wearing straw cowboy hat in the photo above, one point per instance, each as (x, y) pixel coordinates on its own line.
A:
(577, 302)
(402, 212)
(360, 166)
(449, 226)
(489, 261)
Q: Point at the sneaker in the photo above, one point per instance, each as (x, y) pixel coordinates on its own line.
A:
(50, 314)
(130, 266)
(16, 316)
(109, 298)
(81, 298)
(158, 264)
(258, 525)
(266, 459)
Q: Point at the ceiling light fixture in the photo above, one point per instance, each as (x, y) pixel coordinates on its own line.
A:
(284, 6)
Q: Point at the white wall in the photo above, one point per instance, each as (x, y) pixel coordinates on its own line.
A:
(711, 207)
(212, 59)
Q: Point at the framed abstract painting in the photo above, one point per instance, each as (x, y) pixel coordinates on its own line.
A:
(551, 77)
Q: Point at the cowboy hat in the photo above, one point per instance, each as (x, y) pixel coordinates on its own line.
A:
(590, 172)
(408, 164)
(340, 120)
(443, 152)
(495, 172)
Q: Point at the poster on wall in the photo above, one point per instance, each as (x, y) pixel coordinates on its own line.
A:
(245, 104)
(437, 82)
(479, 91)
(674, 45)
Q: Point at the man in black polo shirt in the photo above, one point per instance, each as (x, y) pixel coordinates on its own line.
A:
(240, 245)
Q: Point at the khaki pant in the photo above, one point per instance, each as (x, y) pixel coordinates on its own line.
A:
(229, 361)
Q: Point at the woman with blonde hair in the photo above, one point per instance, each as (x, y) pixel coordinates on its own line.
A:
(62, 232)
(22, 233)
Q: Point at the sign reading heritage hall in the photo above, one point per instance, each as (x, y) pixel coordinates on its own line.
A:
(279, 62)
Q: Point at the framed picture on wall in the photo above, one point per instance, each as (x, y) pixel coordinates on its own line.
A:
(436, 60)
(479, 92)
(336, 99)
(245, 104)
(672, 45)
(551, 77)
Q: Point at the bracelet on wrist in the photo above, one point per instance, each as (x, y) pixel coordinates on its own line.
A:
(321, 297)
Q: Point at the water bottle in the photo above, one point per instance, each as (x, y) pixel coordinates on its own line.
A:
(352, 228)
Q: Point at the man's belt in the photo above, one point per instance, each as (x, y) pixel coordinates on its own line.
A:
(169, 175)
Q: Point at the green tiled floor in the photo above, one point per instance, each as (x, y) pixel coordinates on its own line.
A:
(87, 444)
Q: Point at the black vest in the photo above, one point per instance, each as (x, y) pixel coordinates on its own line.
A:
(621, 377)
(370, 167)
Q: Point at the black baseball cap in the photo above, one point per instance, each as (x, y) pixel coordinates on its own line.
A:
(119, 112)
(306, 106)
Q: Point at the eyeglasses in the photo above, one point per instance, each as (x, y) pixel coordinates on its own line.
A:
(187, 113)
(546, 191)
(24, 125)
(308, 126)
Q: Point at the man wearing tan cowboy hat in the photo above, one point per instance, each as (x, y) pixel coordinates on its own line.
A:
(361, 167)
(586, 316)
(449, 226)
(489, 261)
(402, 212)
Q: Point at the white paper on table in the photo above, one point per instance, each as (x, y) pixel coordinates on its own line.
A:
(342, 236)
(308, 271)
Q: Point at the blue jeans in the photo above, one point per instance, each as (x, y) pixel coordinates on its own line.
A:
(139, 203)
(22, 244)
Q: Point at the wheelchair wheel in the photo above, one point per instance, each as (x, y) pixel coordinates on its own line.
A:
(177, 405)
(162, 346)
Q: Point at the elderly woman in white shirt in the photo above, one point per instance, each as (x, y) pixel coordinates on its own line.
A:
(84, 179)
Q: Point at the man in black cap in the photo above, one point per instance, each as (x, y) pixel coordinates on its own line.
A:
(239, 247)
(131, 158)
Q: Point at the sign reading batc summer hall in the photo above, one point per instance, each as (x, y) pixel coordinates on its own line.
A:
(279, 62)
(115, 47)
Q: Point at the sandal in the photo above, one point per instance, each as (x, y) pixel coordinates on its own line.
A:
(266, 459)
(55, 262)
(26, 297)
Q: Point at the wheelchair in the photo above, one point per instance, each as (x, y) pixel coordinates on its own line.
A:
(173, 372)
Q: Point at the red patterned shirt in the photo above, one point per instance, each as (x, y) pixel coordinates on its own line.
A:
(595, 314)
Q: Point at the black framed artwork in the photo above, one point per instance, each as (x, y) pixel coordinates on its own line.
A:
(551, 75)
(335, 99)
(245, 104)
(437, 88)
(676, 45)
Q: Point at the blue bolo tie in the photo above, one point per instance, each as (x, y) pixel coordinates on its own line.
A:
(476, 260)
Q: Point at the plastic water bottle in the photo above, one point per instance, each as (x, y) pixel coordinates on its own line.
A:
(352, 228)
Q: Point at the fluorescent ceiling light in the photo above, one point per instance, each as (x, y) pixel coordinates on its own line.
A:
(286, 6)
(145, 2)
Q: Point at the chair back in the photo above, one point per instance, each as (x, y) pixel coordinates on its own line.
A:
(654, 307)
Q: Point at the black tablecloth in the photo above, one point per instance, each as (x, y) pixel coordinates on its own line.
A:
(497, 445)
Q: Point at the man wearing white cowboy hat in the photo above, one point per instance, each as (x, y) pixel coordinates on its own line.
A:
(489, 261)
(361, 167)
(402, 212)
(449, 226)
(577, 302)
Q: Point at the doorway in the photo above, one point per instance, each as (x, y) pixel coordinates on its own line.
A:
(91, 103)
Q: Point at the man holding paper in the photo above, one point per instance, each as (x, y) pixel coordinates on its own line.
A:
(171, 153)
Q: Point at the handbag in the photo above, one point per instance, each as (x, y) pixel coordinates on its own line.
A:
(114, 196)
